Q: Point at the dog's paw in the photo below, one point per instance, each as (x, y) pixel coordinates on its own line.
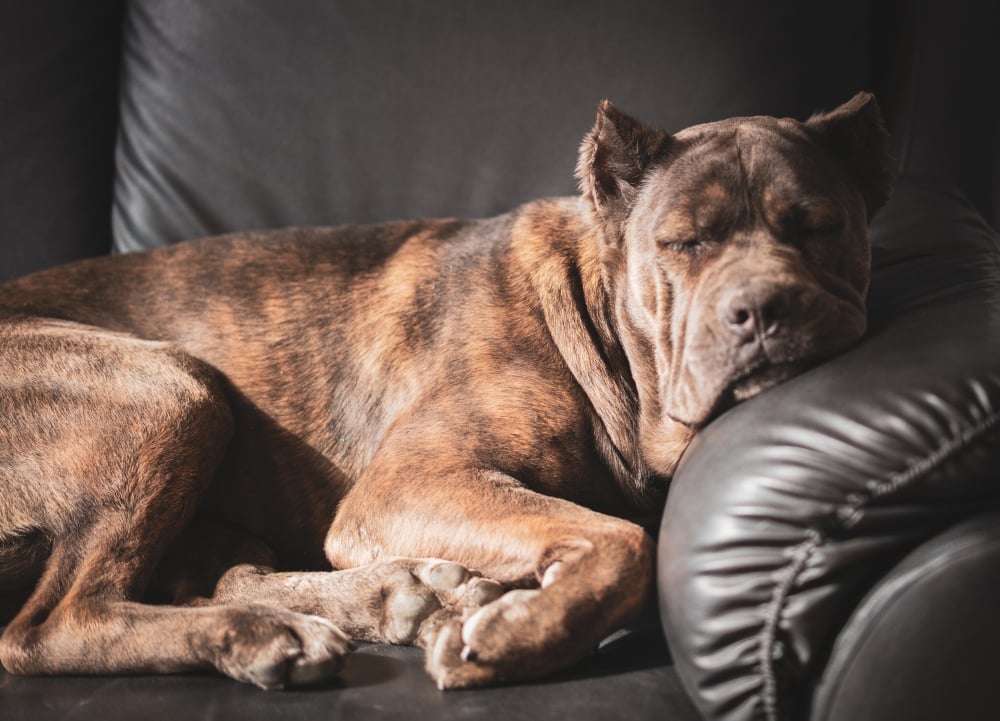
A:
(520, 636)
(456, 586)
(444, 660)
(413, 590)
(279, 649)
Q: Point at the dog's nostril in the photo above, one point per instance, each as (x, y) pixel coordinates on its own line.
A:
(739, 317)
(751, 314)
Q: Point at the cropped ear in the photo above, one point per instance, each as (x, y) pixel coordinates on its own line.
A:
(856, 134)
(613, 158)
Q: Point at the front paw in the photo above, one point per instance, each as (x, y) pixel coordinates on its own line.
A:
(517, 637)
(444, 662)
(412, 591)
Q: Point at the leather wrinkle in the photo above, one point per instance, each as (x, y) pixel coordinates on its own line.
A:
(848, 515)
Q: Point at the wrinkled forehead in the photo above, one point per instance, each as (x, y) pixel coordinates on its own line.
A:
(760, 165)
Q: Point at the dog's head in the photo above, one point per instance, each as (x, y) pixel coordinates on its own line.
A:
(736, 252)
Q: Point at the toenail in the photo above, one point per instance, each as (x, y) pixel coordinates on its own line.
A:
(446, 576)
(486, 592)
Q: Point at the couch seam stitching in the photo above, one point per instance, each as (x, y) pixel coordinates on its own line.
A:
(800, 554)
(849, 514)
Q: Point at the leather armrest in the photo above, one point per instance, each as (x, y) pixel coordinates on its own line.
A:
(787, 510)
(922, 645)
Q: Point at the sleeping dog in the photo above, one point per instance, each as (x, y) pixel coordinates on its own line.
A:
(426, 432)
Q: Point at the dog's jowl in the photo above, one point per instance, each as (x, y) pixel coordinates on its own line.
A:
(426, 432)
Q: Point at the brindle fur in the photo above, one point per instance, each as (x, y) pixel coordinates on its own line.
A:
(225, 420)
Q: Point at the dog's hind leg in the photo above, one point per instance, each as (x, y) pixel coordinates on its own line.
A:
(106, 446)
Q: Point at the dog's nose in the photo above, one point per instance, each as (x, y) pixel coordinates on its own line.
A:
(755, 310)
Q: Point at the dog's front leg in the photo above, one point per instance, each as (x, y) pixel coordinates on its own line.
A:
(582, 574)
(385, 601)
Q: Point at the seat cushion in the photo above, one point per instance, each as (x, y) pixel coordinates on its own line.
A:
(629, 677)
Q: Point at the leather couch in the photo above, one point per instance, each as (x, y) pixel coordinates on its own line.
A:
(829, 550)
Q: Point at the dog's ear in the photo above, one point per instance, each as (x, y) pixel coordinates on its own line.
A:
(856, 133)
(613, 157)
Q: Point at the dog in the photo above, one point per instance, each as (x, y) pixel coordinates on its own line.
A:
(241, 453)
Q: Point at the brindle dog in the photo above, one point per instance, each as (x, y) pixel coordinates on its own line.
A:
(220, 423)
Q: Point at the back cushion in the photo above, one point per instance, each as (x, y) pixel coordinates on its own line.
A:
(271, 113)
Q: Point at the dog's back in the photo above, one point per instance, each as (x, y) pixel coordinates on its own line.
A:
(326, 337)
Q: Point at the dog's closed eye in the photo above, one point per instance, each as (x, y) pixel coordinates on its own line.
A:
(808, 219)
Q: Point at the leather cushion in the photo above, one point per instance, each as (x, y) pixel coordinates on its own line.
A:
(922, 645)
(272, 113)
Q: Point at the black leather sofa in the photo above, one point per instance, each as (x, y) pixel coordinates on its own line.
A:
(829, 550)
